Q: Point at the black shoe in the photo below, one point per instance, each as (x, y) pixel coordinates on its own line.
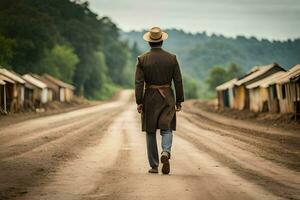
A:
(165, 161)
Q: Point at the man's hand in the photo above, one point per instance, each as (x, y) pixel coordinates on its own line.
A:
(178, 107)
(140, 108)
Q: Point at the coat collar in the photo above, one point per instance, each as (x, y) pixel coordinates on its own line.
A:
(155, 48)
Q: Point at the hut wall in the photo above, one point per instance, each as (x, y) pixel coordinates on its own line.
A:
(13, 102)
(290, 97)
(50, 95)
(28, 102)
(273, 102)
(2, 96)
(37, 94)
(231, 97)
(264, 99)
(226, 98)
(17, 102)
(20, 96)
(62, 94)
(297, 100)
(44, 95)
(220, 99)
(239, 99)
(286, 97)
(254, 100)
(258, 99)
(70, 94)
(10, 91)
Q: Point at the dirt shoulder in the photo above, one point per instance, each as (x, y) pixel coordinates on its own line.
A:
(51, 109)
(266, 121)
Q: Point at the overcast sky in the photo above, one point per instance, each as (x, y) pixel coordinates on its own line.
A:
(272, 19)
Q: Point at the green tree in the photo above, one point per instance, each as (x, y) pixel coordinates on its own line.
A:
(216, 76)
(191, 89)
(60, 62)
(234, 71)
(64, 38)
(99, 85)
(32, 30)
(6, 50)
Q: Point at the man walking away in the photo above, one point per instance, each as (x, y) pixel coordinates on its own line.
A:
(155, 71)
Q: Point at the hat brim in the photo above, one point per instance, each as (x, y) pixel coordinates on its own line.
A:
(149, 39)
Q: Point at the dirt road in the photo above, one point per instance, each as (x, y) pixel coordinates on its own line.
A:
(99, 153)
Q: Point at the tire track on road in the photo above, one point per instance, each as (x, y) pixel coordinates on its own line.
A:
(281, 149)
(278, 180)
(79, 177)
(35, 168)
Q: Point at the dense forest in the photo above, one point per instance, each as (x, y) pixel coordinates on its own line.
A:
(210, 60)
(67, 40)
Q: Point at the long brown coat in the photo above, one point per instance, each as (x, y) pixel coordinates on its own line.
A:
(158, 67)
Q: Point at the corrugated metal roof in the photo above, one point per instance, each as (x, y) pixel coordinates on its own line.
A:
(12, 75)
(260, 71)
(59, 82)
(266, 81)
(34, 81)
(293, 72)
(227, 85)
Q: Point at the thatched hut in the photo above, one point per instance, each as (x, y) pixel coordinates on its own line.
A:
(242, 96)
(40, 90)
(288, 90)
(225, 94)
(263, 95)
(17, 90)
(63, 91)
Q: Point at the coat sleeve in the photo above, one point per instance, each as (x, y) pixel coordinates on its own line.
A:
(139, 82)
(177, 79)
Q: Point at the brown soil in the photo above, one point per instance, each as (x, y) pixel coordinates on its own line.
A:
(284, 121)
(52, 108)
(99, 152)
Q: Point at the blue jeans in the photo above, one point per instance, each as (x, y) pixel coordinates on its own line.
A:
(166, 145)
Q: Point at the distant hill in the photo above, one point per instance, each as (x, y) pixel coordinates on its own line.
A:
(199, 52)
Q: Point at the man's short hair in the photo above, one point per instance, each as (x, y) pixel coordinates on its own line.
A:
(156, 44)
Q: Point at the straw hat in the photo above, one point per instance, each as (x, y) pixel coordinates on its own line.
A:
(155, 34)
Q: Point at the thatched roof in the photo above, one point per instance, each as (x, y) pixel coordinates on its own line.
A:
(34, 81)
(227, 85)
(259, 71)
(267, 81)
(58, 82)
(290, 74)
(12, 75)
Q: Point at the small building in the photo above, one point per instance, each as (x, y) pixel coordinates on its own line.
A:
(6, 93)
(3, 108)
(263, 95)
(52, 88)
(28, 96)
(18, 90)
(64, 91)
(225, 94)
(296, 81)
(288, 90)
(241, 93)
(39, 90)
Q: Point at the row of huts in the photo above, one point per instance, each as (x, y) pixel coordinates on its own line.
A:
(268, 88)
(31, 91)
